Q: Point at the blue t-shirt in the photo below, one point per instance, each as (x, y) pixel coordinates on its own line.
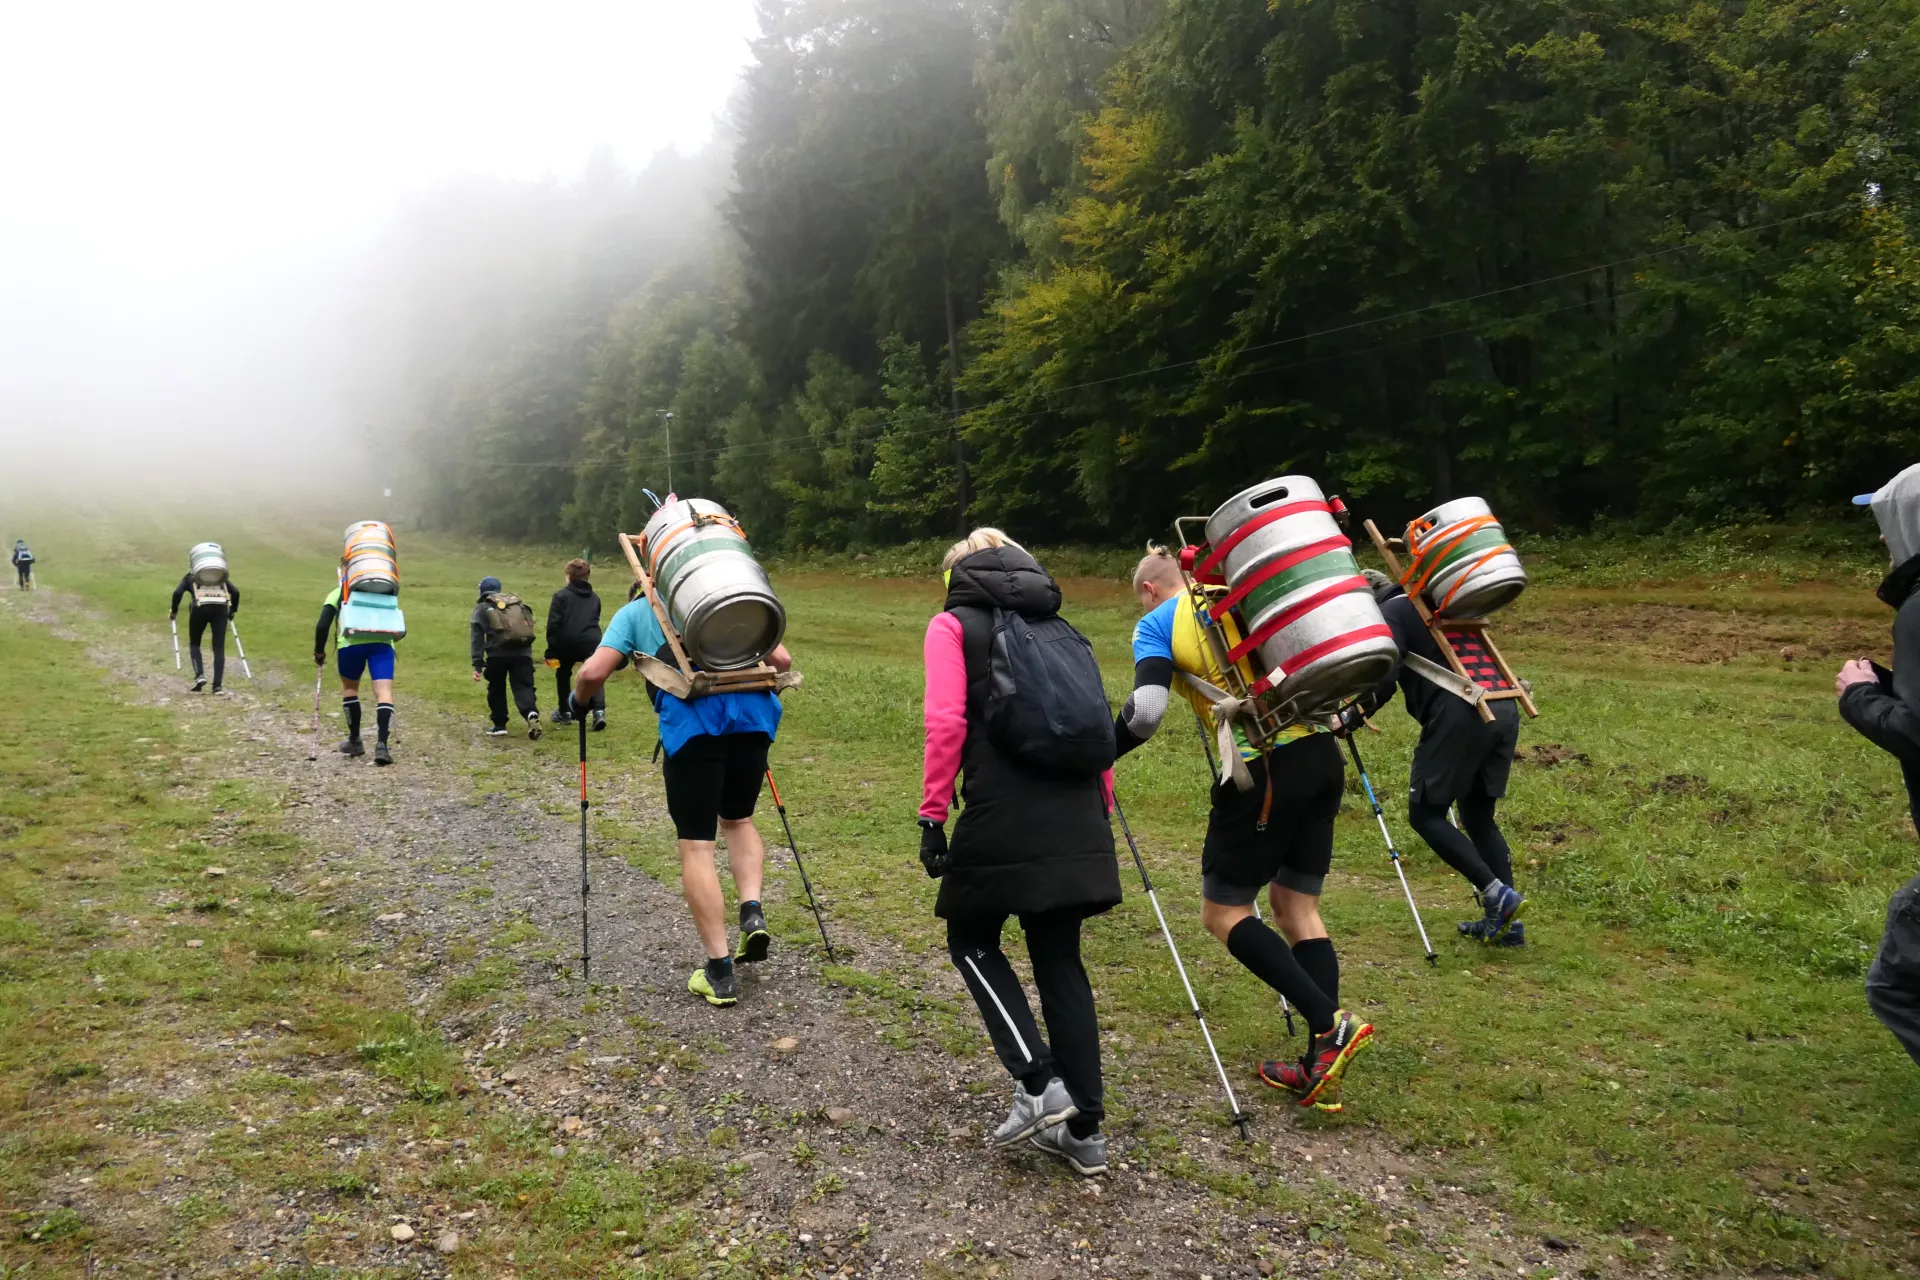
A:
(635, 629)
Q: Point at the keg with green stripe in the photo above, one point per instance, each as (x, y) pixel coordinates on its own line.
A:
(1307, 612)
(207, 563)
(714, 590)
(1460, 561)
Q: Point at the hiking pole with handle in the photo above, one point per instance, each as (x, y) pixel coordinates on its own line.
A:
(1380, 817)
(319, 675)
(781, 805)
(239, 648)
(585, 950)
(1213, 766)
(174, 623)
(1240, 1118)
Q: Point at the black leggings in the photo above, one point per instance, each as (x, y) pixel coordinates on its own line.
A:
(199, 619)
(563, 686)
(25, 570)
(1479, 852)
(1072, 1050)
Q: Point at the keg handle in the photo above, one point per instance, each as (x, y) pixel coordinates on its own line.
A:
(1276, 494)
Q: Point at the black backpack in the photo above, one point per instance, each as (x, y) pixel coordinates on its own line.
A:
(1046, 705)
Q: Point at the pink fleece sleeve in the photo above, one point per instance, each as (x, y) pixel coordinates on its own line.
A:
(946, 713)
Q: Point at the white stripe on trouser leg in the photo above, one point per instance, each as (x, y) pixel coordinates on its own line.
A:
(995, 997)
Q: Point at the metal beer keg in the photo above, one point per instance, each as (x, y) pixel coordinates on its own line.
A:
(207, 563)
(714, 590)
(1291, 572)
(368, 563)
(1460, 561)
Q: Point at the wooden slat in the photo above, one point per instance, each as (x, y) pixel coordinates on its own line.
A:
(659, 606)
(1433, 624)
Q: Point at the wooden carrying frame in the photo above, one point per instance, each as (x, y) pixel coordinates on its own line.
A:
(758, 678)
(1438, 628)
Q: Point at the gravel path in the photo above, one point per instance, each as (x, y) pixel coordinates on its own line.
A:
(901, 1181)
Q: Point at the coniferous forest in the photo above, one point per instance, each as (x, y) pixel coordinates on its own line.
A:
(1078, 266)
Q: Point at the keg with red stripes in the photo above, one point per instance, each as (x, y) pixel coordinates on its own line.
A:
(1460, 561)
(1291, 576)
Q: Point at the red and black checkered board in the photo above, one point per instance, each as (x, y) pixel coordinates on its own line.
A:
(1473, 655)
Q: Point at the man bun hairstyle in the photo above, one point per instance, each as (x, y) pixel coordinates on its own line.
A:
(578, 570)
(1160, 567)
(983, 539)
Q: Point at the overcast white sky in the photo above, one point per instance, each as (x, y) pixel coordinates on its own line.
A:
(175, 177)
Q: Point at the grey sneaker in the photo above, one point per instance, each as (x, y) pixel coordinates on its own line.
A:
(1087, 1155)
(1031, 1114)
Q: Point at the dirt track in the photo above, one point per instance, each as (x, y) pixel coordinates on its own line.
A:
(910, 1185)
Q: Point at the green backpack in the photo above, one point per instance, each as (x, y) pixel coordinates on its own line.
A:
(509, 622)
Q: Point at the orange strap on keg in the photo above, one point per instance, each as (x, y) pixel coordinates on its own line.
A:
(1274, 569)
(1418, 551)
(1319, 651)
(658, 546)
(1292, 614)
(1259, 522)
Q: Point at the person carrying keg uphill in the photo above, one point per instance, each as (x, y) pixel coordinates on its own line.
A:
(216, 600)
(716, 744)
(365, 606)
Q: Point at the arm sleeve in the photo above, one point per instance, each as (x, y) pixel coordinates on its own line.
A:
(233, 605)
(179, 591)
(1146, 706)
(1887, 713)
(946, 714)
(327, 614)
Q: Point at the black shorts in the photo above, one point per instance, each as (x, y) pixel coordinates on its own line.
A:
(1461, 755)
(714, 779)
(1295, 850)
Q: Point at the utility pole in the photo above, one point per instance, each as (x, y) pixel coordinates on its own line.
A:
(961, 496)
(666, 419)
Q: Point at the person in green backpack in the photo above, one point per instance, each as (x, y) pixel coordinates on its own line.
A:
(500, 642)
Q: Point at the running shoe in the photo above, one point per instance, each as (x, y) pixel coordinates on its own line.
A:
(199, 683)
(1085, 1156)
(1292, 1076)
(533, 726)
(562, 716)
(754, 938)
(496, 731)
(715, 986)
(1033, 1112)
(599, 721)
(352, 747)
(1329, 1056)
(1502, 903)
(381, 755)
(1515, 936)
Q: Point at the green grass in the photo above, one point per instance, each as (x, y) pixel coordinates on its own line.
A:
(1683, 1039)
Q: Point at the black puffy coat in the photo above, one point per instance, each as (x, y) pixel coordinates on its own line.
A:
(573, 623)
(1026, 841)
(1887, 711)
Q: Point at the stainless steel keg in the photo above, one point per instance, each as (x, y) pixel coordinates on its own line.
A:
(1460, 560)
(714, 590)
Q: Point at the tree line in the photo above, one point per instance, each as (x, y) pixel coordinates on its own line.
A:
(1079, 266)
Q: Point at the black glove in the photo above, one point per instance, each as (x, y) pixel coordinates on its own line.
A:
(1351, 720)
(319, 657)
(933, 848)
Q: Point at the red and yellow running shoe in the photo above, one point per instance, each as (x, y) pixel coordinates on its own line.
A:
(1315, 1080)
(1290, 1075)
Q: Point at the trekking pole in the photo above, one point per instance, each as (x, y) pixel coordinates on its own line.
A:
(1214, 767)
(319, 674)
(175, 624)
(240, 648)
(780, 804)
(1392, 852)
(1240, 1118)
(585, 950)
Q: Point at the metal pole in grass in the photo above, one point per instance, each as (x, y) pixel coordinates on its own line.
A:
(1240, 1118)
(239, 648)
(1213, 766)
(1392, 852)
(781, 805)
(175, 624)
(319, 674)
(585, 950)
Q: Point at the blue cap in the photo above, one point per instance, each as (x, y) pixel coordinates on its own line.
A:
(489, 584)
(1863, 500)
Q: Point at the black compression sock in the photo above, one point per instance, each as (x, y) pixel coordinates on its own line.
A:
(1266, 956)
(384, 715)
(1317, 957)
(352, 707)
(749, 908)
(1035, 1082)
(720, 967)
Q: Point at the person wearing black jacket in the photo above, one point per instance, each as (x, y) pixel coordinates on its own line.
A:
(1028, 844)
(500, 642)
(1462, 759)
(212, 607)
(573, 633)
(1885, 707)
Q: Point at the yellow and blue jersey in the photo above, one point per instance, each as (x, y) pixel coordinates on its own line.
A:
(1173, 630)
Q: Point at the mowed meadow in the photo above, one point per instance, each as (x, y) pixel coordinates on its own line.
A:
(1680, 1064)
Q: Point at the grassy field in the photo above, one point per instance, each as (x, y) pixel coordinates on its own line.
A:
(1680, 1065)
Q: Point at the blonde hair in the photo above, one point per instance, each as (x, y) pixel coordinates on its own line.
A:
(1159, 566)
(977, 541)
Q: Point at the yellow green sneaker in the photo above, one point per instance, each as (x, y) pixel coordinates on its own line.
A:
(715, 984)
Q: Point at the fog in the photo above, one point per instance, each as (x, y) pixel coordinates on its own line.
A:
(194, 196)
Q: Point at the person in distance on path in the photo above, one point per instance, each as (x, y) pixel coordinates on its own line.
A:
(573, 633)
(372, 658)
(213, 605)
(716, 761)
(500, 642)
(1462, 759)
(1885, 707)
(23, 563)
(1278, 834)
(1029, 844)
